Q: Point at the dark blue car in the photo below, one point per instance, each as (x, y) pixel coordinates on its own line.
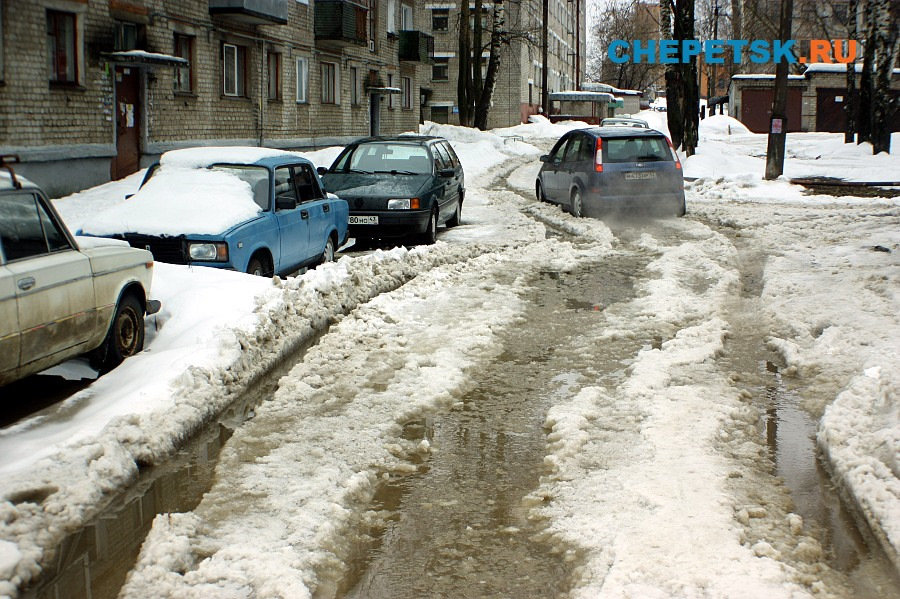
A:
(403, 186)
(254, 210)
(601, 170)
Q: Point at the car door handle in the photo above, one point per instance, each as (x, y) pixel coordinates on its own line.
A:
(304, 214)
(26, 283)
(326, 208)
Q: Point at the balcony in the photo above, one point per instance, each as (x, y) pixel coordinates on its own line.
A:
(252, 12)
(416, 46)
(340, 22)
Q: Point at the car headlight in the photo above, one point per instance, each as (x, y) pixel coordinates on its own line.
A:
(403, 204)
(208, 252)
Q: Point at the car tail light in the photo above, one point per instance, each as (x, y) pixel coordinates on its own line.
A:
(674, 153)
(598, 156)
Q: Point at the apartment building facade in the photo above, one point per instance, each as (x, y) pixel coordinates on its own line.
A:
(92, 90)
(517, 93)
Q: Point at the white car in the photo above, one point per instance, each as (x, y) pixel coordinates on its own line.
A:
(59, 300)
(624, 121)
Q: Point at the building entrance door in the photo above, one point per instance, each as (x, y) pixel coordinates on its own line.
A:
(128, 119)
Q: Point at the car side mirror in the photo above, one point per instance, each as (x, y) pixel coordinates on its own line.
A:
(447, 172)
(322, 170)
(285, 203)
(128, 196)
(545, 158)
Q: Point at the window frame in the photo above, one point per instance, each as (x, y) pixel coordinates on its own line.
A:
(179, 83)
(441, 14)
(444, 62)
(240, 70)
(392, 98)
(407, 17)
(331, 82)
(73, 47)
(302, 73)
(273, 62)
(406, 87)
(354, 86)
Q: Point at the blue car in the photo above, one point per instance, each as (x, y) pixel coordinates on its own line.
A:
(601, 170)
(254, 210)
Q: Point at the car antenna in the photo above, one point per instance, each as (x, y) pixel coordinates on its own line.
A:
(5, 160)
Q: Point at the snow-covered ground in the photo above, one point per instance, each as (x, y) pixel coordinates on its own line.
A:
(829, 298)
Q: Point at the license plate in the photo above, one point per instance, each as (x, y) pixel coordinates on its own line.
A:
(363, 220)
(640, 176)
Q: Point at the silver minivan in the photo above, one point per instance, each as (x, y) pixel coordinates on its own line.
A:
(603, 170)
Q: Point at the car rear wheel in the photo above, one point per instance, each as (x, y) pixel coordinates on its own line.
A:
(125, 337)
(328, 253)
(457, 216)
(539, 192)
(577, 205)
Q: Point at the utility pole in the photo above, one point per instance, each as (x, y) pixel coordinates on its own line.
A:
(545, 98)
(715, 87)
(778, 122)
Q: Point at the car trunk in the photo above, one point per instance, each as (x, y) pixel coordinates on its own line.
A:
(639, 167)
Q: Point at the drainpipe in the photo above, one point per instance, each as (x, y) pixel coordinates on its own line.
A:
(262, 90)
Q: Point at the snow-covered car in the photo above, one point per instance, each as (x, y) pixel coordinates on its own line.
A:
(404, 186)
(256, 210)
(598, 170)
(61, 297)
(623, 121)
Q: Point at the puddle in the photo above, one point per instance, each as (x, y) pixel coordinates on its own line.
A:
(93, 562)
(460, 526)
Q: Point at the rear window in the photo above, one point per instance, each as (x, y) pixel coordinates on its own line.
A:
(636, 149)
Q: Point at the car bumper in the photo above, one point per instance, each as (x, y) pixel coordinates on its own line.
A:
(660, 203)
(391, 224)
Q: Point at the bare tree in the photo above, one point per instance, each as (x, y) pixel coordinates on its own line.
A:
(682, 87)
(884, 103)
(624, 20)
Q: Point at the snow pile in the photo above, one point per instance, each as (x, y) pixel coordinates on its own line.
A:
(719, 125)
(202, 201)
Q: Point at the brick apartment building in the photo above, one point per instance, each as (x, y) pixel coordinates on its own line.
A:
(92, 90)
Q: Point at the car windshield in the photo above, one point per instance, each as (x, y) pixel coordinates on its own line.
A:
(256, 176)
(385, 157)
(636, 149)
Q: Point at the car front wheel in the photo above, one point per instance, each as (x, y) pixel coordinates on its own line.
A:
(125, 337)
(430, 234)
(539, 192)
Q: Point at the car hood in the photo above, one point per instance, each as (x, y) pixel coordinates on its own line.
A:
(352, 185)
(179, 201)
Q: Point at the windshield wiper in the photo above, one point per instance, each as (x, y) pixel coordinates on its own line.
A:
(358, 171)
(396, 172)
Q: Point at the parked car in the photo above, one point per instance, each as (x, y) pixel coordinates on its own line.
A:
(404, 186)
(624, 121)
(597, 170)
(255, 210)
(61, 297)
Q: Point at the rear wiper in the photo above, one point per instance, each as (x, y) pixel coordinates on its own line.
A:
(396, 172)
(649, 158)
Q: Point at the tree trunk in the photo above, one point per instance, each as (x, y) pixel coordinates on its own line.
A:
(777, 139)
(883, 105)
(493, 70)
(674, 115)
(464, 83)
(851, 105)
(867, 78)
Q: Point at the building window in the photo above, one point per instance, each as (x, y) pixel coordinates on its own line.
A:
(440, 70)
(273, 75)
(406, 18)
(330, 83)
(391, 17)
(392, 98)
(440, 19)
(354, 86)
(184, 77)
(62, 58)
(406, 87)
(234, 70)
(302, 80)
(126, 37)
